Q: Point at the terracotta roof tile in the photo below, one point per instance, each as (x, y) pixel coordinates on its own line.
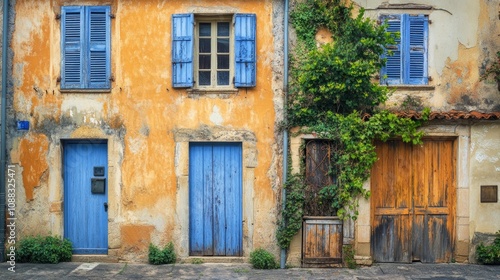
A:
(452, 115)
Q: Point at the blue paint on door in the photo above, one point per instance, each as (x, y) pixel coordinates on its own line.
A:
(85, 213)
(215, 199)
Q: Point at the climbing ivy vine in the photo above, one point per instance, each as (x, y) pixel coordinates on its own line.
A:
(334, 95)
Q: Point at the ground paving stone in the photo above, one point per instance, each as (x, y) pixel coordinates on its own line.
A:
(413, 271)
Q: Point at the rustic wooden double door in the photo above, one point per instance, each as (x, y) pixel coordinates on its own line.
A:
(413, 200)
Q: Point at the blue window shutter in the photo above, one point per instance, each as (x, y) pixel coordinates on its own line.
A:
(245, 53)
(182, 50)
(416, 61)
(72, 21)
(392, 72)
(98, 67)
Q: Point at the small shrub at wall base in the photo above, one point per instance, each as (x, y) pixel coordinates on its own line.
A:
(489, 254)
(44, 249)
(262, 259)
(348, 257)
(162, 256)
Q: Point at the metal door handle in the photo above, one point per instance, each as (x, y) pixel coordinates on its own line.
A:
(106, 206)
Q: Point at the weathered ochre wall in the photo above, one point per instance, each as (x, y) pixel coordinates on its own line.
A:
(138, 118)
(463, 40)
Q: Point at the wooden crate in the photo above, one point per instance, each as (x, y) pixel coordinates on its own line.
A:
(322, 242)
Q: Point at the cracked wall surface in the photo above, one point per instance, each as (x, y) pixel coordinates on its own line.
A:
(140, 118)
(463, 38)
(463, 41)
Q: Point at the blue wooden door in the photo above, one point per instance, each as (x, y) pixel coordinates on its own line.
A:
(215, 199)
(85, 196)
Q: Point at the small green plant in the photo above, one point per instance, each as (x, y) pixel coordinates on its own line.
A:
(123, 269)
(241, 270)
(44, 249)
(348, 257)
(294, 208)
(262, 259)
(493, 70)
(197, 261)
(162, 256)
(489, 254)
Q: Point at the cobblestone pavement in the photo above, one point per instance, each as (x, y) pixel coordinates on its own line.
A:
(74, 270)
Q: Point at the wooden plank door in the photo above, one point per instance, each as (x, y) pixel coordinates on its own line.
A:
(391, 202)
(215, 199)
(85, 210)
(413, 201)
(433, 201)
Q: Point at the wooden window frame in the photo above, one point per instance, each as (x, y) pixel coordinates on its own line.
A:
(213, 62)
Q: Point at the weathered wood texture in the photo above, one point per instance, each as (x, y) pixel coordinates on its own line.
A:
(319, 172)
(413, 201)
(85, 214)
(322, 242)
(215, 199)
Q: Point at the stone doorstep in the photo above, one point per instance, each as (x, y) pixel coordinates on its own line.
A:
(194, 259)
(94, 258)
(115, 259)
(363, 260)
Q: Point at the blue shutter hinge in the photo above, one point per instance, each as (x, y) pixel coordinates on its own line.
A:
(58, 79)
(112, 16)
(234, 80)
(112, 78)
(58, 16)
(429, 21)
(429, 78)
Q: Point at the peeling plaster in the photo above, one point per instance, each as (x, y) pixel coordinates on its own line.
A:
(81, 104)
(31, 23)
(33, 157)
(482, 156)
(216, 117)
(444, 14)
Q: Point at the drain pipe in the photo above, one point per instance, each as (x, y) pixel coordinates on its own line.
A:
(285, 133)
(5, 34)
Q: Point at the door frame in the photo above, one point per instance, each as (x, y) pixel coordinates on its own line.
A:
(411, 212)
(248, 141)
(55, 183)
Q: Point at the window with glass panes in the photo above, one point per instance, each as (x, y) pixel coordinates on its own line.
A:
(213, 68)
